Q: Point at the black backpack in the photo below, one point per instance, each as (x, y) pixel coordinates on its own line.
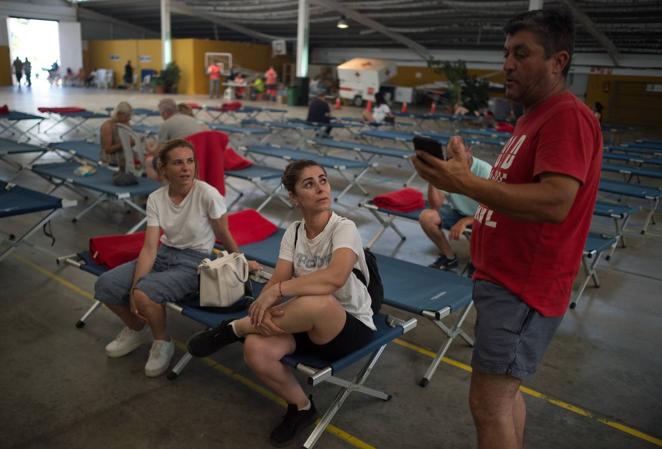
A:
(375, 286)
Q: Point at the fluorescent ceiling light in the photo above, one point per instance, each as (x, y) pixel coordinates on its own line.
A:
(342, 23)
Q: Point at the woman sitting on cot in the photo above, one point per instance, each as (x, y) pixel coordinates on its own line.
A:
(192, 214)
(313, 303)
(111, 147)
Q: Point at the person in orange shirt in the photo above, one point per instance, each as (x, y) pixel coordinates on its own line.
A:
(214, 72)
(271, 77)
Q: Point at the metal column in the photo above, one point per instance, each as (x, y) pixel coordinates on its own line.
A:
(166, 39)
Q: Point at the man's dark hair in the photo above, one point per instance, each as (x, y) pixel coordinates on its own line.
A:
(554, 28)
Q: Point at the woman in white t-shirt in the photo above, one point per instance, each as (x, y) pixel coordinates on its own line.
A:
(192, 215)
(313, 303)
(380, 114)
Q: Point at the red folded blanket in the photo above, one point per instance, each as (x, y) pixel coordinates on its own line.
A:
(504, 127)
(403, 200)
(249, 226)
(64, 109)
(235, 162)
(231, 106)
(193, 105)
(114, 250)
(4, 110)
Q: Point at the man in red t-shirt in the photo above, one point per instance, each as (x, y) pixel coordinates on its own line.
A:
(214, 72)
(530, 228)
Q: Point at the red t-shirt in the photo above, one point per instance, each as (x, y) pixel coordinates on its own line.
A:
(214, 72)
(538, 262)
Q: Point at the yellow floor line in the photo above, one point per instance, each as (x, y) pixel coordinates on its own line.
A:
(536, 394)
(426, 352)
(333, 430)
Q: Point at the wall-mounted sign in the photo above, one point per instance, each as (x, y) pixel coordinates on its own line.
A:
(653, 87)
(114, 57)
(145, 58)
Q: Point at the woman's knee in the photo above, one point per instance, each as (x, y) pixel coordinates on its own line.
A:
(259, 353)
(429, 218)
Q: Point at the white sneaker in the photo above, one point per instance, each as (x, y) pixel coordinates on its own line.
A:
(127, 341)
(159, 357)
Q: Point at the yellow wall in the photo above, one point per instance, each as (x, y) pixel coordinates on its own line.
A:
(5, 66)
(638, 107)
(407, 76)
(189, 55)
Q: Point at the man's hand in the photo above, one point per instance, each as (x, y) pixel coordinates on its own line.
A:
(456, 231)
(134, 309)
(450, 175)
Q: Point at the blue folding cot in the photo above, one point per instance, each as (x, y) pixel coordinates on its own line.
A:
(630, 172)
(620, 214)
(257, 175)
(316, 370)
(80, 150)
(246, 134)
(77, 120)
(373, 151)
(9, 123)
(424, 291)
(491, 133)
(338, 164)
(101, 182)
(15, 200)
(638, 191)
(10, 148)
(633, 159)
(594, 248)
(630, 148)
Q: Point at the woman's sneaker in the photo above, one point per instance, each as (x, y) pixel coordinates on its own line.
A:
(444, 263)
(207, 342)
(127, 341)
(160, 356)
(293, 421)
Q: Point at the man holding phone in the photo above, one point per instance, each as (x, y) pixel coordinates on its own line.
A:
(451, 211)
(531, 226)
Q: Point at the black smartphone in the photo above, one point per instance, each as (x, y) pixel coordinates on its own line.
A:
(430, 146)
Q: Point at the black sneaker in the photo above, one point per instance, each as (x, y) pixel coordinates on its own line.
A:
(207, 342)
(444, 263)
(293, 421)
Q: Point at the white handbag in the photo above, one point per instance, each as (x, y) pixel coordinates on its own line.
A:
(222, 280)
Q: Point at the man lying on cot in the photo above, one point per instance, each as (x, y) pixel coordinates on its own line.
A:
(112, 152)
(192, 215)
(453, 212)
(313, 303)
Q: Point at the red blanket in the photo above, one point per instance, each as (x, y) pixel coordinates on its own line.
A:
(58, 110)
(209, 150)
(4, 110)
(231, 106)
(403, 200)
(193, 105)
(249, 226)
(114, 250)
(504, 127)
(235, 162)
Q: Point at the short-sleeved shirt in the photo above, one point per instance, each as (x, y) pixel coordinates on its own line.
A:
(380, 112)
(214, 72)
(318, 111)
(463, 204)
(187, 225)
(314, 254)
(538, 262)
(271, 77)
(179, 126)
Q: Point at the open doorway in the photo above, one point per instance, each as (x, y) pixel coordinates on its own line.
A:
(38, 41)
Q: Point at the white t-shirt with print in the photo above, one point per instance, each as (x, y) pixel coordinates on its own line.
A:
(380, 113)
(315, 254)
(187, 225)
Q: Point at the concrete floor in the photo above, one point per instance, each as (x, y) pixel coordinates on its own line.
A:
(59, 390)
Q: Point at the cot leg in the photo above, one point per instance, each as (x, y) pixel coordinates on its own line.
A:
(179, 366)
(389, 222)
(590, 274)
(340, 398)
(27, 234)
(90, 311)
(650, 218)
(451, 333)
(137, 226)
(99, 200)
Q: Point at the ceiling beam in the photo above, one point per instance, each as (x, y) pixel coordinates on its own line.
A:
(181, 8)
(88, 14)
(370, 23)
(590, 27)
